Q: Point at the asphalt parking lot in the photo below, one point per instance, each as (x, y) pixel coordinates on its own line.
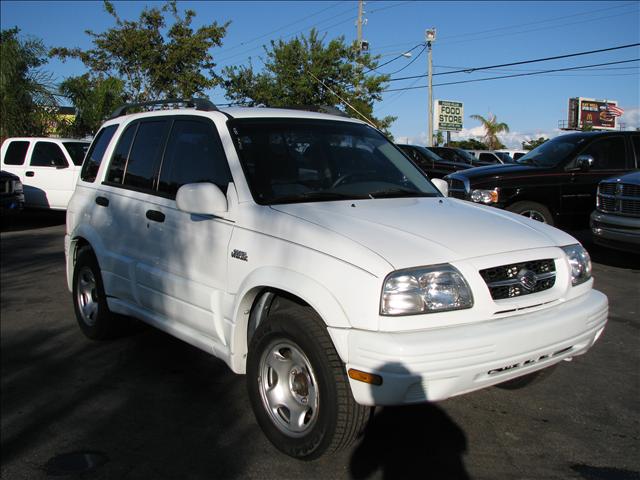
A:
(149, 406)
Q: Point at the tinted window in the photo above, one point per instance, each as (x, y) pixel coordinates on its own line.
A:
(488, 158)
(288, 161)
(554, 151)
(608, 154)
(145, 154)
(96, 152)
(76, 151)
(193, 154)
(15, 153)
(48, 154)
(635, 139)
(120, 154)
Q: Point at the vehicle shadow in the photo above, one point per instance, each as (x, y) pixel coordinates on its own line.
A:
(401, 441)
(30, 219)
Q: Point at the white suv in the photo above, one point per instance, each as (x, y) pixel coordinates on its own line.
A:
(307, 251)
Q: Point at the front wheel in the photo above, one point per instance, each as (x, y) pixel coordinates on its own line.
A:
(532, 210)
(298, 387)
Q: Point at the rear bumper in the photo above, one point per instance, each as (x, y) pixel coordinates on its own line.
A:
(441, 363)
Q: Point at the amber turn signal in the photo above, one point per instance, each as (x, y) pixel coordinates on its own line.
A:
(365, 377)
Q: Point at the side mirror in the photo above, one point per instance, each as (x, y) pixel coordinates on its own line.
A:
(584, 162)
(441, 185)
(201, 199)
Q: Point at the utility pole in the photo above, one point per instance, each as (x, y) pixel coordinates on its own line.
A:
(360, 10)
(430, 36)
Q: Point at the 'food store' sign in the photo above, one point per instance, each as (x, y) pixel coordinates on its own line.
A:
(449, 115)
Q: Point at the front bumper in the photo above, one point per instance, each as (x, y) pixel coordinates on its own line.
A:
(437, 364)
(616, 231)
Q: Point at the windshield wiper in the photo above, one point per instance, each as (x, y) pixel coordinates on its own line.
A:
(397, 192)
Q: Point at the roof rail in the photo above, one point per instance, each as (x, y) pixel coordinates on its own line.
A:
(199, 104)
(328, 109)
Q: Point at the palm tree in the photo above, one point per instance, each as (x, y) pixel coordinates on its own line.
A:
(492, 128)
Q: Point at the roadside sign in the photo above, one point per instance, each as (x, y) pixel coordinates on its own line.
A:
(449, 116)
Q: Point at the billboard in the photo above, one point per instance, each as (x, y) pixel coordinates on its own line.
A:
(589, 112)
(449, 116)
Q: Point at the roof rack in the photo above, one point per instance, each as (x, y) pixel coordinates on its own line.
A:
(199, 104)
(328, 109)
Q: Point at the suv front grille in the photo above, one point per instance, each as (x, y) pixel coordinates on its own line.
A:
(620, 198)
(457, 189)
(518, 279)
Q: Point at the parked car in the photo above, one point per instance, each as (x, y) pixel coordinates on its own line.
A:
(491, 157)
(615, 222)
(453, 154)
(514, 154)
(307, 251)
(430, 163)
(11, 193)
(47, 167)
(556, 182)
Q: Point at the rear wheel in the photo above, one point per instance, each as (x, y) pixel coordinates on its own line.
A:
(298, 387)
(89, 301)
(532, 210)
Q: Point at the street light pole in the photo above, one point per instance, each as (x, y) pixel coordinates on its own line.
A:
(430, 36)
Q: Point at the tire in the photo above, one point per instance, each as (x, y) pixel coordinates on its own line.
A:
(315, 390)
(526, 380)
(89, 301)
(533, 210)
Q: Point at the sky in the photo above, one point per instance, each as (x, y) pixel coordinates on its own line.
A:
(469, 34)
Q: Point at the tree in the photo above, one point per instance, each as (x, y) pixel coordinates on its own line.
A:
(306, 71)
(492, 128)
(94, 99)
(533, 143)
(25, 89)
(470, 144)
(152, 65)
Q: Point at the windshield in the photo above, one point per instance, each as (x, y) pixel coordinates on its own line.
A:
(552, 152)
(294, 160)
(429, 154)
(76, 150)
(454, 155)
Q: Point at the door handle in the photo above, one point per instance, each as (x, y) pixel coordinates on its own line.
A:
(30, 174)
(102, 201)
(155, 215)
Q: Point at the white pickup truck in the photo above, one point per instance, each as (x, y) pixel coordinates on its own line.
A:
(307, 251)
(47, 167)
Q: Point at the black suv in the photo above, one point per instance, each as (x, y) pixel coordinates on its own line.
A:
(432, 164)
(556, 182)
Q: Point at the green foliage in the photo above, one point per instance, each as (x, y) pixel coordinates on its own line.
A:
(94, 99)
(470, 144)
(152, 65)
(531, 144)
(25, 89)
(492, 128)
(342, 77)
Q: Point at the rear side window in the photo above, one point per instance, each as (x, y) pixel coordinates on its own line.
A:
(145, 154)
(488, 157)
(16, 153)
(608, 154)
(96, 152)
(194, 154)
(120, 155)
(48, 154)
(76, 151)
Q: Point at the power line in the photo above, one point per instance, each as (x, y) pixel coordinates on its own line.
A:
(409, 64)
(546, 59)
(396, 58)
(512, 76)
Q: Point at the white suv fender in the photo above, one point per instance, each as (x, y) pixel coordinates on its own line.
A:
(295, 283)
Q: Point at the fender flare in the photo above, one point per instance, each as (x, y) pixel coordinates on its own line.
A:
(302, 286)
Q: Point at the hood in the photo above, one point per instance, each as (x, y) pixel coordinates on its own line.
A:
(409, 232)
(493, 171)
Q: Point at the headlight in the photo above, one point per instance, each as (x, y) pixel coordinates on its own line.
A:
(425, 290)
(580, 263)
(485, 196)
